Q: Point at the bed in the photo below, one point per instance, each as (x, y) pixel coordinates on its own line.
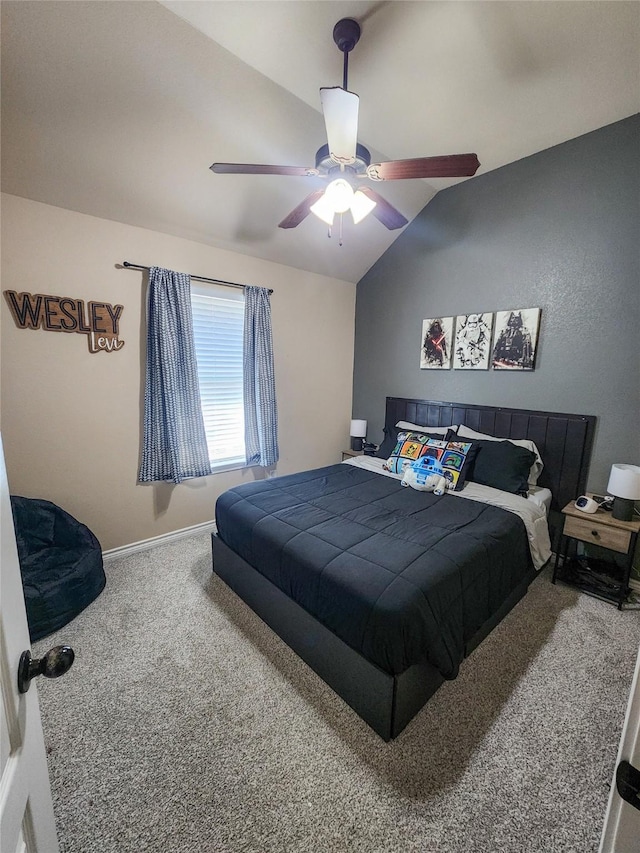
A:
(384, 590)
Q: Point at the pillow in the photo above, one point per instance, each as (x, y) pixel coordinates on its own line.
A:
(391, 436)
(502, 465)
(418, 477)
(537, 465)
(448, 459)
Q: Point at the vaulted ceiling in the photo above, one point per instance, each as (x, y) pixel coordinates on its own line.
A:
(117, 109)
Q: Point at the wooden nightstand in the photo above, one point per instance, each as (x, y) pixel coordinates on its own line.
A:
(607, 577)
(348, 454)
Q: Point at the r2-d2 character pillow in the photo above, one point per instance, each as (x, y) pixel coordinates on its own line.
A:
(420, 475)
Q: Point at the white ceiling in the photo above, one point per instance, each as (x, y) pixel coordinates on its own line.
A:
(117, 109)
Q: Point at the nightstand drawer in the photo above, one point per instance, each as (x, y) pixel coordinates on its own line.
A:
(599, 534)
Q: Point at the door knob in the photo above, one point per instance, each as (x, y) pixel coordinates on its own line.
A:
(55, 662)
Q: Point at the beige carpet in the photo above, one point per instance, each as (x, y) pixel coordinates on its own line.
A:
(187, 726)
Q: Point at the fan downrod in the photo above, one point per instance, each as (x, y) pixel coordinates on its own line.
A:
(346, 34)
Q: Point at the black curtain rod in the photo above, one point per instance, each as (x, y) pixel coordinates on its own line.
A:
(196, 277)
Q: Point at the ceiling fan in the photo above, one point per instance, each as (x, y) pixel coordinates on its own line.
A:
(345, 162)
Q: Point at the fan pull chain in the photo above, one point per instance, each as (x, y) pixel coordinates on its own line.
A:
(330, 231)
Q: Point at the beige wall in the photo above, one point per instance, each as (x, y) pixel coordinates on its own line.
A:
(71, 420)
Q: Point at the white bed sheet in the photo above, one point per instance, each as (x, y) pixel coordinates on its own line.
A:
(532, 510)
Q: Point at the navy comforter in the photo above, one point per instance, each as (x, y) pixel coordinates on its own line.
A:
(401, 576)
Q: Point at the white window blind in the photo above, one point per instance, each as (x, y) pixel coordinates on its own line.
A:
(218, 323)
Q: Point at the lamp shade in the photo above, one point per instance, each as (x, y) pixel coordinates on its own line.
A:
(323, 209)
(624, 485)
(358, 429)
(624, 482)
(339, 194)
(361, 206)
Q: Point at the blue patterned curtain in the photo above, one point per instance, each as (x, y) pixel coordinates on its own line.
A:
(174, 442)
(260, 411)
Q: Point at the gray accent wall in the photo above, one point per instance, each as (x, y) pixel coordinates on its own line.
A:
(559, 230)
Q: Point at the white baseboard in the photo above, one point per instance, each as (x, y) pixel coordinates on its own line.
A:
(163, 539)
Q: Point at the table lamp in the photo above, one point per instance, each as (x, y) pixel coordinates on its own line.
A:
(358, 433)
(624, 485)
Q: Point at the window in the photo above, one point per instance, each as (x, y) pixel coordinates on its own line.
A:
(218, 327)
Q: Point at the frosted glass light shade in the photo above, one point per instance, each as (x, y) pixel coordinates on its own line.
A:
(358, 429)
(361, 206)
(323, 209)
(339, 194)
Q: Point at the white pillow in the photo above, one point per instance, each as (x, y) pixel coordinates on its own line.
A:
(423, 428)
(536, 468)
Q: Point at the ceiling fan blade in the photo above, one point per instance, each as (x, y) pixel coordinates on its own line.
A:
(384, 211)
(340, 110)
(448, 166)
(256, 169)
(301, 211)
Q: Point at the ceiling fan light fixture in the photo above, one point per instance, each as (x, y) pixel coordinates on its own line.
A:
(340, 197)
(361, 206)
(337, 198)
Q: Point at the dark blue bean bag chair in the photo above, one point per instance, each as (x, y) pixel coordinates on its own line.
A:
(60, 562)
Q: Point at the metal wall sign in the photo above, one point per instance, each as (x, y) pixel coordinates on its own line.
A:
(99, 321)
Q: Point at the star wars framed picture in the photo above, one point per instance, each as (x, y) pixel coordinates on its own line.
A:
(516, 339)
(472, 343)
(436, 344)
